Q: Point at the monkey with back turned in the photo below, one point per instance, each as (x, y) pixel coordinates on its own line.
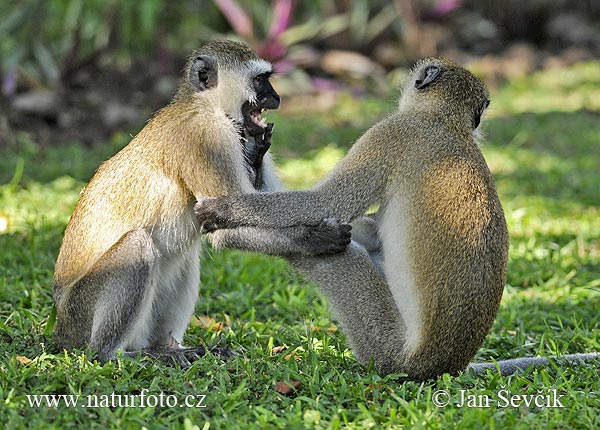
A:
(419, 290)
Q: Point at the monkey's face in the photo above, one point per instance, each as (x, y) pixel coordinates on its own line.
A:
(231, 76)
(265, 97)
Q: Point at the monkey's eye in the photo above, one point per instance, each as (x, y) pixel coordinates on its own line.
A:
(258, 79)
(486, 104)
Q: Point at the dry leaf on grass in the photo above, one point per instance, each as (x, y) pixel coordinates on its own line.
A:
(278, 349)
(207, 322)
(283, 388)
(294, 356)
(331, 329)
(23, 360)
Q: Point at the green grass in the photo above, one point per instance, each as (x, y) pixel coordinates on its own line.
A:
(543, 148)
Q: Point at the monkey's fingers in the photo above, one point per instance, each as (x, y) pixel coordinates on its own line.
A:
(336, 224)
(193, 353)
(346, 230)
(165, 354)
(269, 130)
(213, 214)
(223, 352)
(207, 227)
(329, 237)
(345, 235)
(178, 359)
(263, 141)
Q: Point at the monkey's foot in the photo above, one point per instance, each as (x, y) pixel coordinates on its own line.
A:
(195, 352)
(222, 352)
(168, 355)
(180, 356)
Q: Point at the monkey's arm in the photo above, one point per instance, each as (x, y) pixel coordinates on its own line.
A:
(328, 237)
(346, 193)
(279, 209)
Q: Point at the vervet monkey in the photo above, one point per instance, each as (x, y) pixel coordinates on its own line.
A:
(127, 273)
(422, 296)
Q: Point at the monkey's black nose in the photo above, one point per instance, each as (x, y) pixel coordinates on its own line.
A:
(271, 101)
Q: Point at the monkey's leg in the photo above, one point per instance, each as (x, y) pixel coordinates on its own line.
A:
(362, 302)
(173, 308)
(366, 233)
(121, 282)
(176, 296)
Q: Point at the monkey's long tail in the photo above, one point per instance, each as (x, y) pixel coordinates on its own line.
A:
(509, 367)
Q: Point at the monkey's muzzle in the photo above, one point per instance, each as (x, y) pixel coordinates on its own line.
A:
(253, 121)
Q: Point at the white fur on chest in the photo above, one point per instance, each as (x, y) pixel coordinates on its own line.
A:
(394, 229)
(176, 229)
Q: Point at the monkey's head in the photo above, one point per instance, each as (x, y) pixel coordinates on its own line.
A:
(234, 78)
(442, 86)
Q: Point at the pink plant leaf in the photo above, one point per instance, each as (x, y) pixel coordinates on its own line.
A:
(237, 17)
(281, 18)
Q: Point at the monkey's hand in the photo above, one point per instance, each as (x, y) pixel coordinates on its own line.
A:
(255, 148)
(263, 141)
(212, 215)
(329, 237)
(256, 145)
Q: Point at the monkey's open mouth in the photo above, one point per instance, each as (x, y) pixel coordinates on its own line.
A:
(253, 122)
(256, 118)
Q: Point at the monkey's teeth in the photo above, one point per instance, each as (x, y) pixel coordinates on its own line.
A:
(256, 119)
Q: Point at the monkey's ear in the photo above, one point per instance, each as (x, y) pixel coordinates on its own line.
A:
(203, 73)
(428, 75)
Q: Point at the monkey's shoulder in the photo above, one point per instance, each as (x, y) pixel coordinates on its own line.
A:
(397, 129)
(188, 127)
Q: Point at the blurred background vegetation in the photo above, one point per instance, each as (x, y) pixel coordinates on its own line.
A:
(74, 70)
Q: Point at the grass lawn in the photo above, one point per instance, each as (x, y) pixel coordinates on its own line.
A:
(543, 147)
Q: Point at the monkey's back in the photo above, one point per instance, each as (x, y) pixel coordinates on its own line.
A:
(146, 185)
(449, 251)
(128, 192)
